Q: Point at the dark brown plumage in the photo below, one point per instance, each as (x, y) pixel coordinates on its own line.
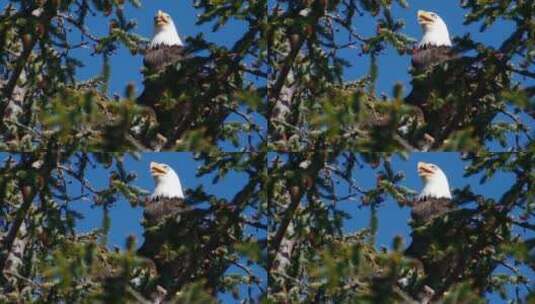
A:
(431, 230)
(429, 56)
(425, 210)
(156, 59)
(423, 61)
(156, 210)
(175, 239)
(459, 247)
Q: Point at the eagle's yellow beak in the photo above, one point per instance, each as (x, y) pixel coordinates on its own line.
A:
(157, 169)
(424, 169)
(160, 19)
(425, 17)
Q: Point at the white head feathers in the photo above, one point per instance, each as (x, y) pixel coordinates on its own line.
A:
(435, 30)
(435, 182)
(167, 182)
(164, 31)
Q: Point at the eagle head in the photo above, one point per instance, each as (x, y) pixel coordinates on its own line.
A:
(167, 182)
(434, 28)
(162, 20)
(164, 31)
(435, 181)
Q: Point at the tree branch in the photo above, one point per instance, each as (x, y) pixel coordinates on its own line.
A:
(274, 243)
(28, 193)
(274, 91)
(7, 91)
(296, 194)
(10, 86)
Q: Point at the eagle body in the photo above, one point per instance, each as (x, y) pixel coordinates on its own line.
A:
(429, 55)
(434, 48)
(453, 245)
(165, 49)
(425, 210)
(165, 203)
(166, 225)
(433, 202)
(181, 241)
(159, 208)
(160, 56)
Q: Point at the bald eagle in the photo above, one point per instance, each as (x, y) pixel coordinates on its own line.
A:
(162, 216)
(166, 47)
(176, 235)
(452, 92)
(433, 202)
(435, 46)
(167, 198)
(452, 244)
(435, 198)
(171, 117)
(166, 201)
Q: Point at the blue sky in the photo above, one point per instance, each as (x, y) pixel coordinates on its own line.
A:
(127, 220)
(393, 220)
